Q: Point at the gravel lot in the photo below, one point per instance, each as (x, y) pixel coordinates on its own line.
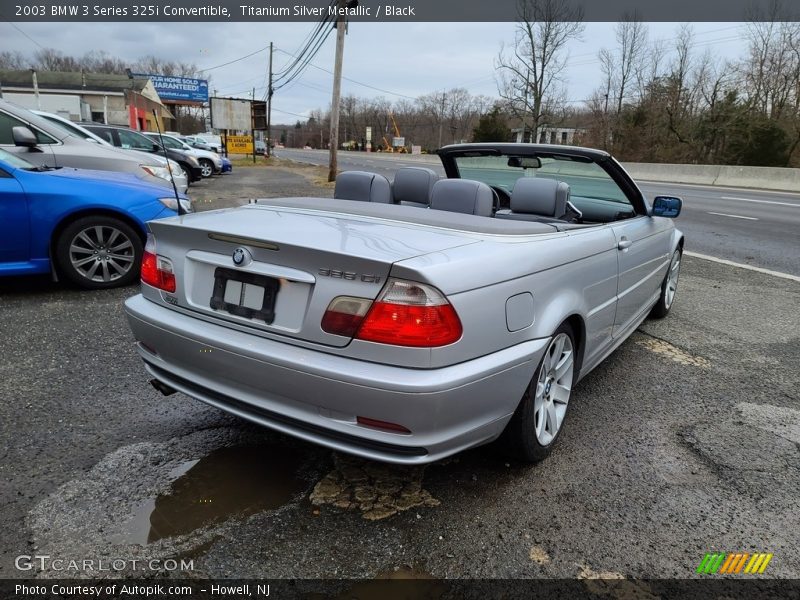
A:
(685, 441)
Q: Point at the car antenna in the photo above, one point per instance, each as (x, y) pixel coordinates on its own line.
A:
(181, 212)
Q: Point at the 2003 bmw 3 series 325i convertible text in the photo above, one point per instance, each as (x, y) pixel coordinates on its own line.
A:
(405, 322)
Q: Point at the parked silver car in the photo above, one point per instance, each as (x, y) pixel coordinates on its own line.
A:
(406, 322)
(174, 170)
(210, 162)
(44, 143)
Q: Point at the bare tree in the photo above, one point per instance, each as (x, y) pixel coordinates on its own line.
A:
(623, 71)
(530, 76)
(13, 60)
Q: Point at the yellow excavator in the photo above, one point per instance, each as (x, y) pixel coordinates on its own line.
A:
(389, 146)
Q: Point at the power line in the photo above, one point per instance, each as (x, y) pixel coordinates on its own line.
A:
(361, 83)
(300, 69)
(307, 42)
(306, 55)
(26, 35)
(230, 62)
(289, 113)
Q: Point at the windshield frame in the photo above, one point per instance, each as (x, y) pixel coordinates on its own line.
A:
(605, 161)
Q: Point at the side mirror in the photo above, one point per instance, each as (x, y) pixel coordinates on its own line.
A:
(666, 206)
(155, 148)
(23, 136)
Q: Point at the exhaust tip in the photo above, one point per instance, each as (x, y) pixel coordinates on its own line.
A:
(162, 387)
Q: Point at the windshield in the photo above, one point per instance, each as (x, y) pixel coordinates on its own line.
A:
(15, 161)
(585, 179)
(131, 140)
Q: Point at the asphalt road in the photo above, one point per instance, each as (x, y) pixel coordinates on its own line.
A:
(753, 227)
(685, 441)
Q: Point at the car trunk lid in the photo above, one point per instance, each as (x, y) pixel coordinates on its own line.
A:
(276, 269)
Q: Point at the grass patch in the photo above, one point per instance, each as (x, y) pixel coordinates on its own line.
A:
(261, 161)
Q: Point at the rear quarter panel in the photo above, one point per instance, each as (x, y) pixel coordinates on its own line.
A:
(569, 273)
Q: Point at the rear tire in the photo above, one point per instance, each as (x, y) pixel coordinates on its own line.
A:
(539, 419)
(99, 252)
(206, 168)
(669, 287)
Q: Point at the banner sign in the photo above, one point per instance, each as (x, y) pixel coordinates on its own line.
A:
(175, 89)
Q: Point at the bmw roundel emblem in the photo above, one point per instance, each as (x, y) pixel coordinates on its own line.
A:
(239, 256)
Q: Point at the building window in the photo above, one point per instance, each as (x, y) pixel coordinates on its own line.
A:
(97, 117)
(563, 137)
(552, 137)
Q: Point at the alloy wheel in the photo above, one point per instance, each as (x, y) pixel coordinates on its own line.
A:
(553, 388)
(101, 253)
(672, 279)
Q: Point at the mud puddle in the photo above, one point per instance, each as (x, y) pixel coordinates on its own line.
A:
(230, 482)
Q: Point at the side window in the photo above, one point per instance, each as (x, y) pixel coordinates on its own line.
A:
(106, 134)
(7, 123)
(131, 140)
(170, 143)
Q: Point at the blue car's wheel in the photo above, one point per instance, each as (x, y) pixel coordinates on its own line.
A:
(99, 252)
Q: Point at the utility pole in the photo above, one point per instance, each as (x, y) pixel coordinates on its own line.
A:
(269, 104)
(337, 87)
(36, 89)
(252, 128)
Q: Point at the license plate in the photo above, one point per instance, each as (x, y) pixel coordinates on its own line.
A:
(245, 294)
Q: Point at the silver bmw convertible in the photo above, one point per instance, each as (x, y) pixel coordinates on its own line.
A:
(406, 321)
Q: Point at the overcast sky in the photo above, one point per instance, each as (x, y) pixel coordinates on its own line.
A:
(407, 59)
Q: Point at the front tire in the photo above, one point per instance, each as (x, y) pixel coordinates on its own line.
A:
(187, 168)
(99, 252)
(669, 287)
(539, 419)
(206, 168)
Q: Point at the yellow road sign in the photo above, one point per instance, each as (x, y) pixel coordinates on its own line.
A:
(240, 144)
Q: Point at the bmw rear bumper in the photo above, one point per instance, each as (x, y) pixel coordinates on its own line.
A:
(316, 396)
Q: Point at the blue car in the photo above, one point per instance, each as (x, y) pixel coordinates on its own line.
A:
(86, 226)
(227, 165)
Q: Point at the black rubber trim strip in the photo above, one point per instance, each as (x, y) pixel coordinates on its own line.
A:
(257, 411)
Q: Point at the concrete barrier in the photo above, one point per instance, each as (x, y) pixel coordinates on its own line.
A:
(765, 178)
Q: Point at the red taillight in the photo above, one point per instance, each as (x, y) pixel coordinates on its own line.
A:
(413, 314)
(157, 270)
